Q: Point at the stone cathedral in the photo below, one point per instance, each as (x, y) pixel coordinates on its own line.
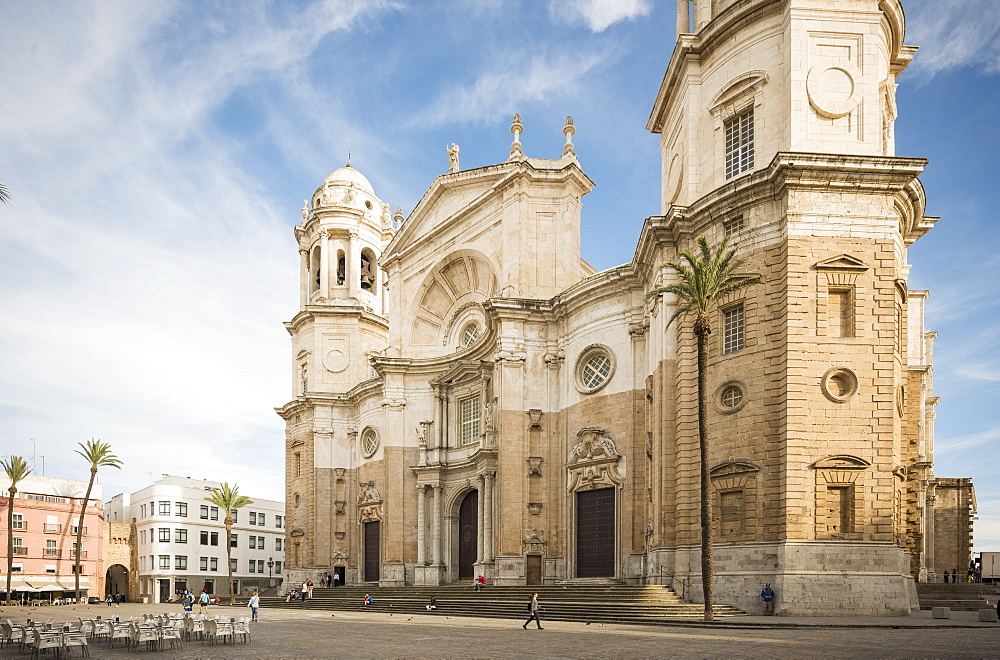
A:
(472, 398)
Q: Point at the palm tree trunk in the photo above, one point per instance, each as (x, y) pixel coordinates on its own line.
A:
(79, 534)
(10, 539)
(707, 568)
(229, 560)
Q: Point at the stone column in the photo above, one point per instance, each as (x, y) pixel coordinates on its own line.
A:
(488, 516)
(480, 542)
(324, 266)
(303, 278)
(353, 267)
(683, 17)
(436, 522)
(421, 523)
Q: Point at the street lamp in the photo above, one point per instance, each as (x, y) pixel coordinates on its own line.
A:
(270, 565)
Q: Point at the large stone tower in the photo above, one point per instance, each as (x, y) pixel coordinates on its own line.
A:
(776, 119)
(341, 322)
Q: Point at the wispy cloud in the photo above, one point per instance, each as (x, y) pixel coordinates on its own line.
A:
(505, 87)
(954, 35)
(598, 15)
(948, 445)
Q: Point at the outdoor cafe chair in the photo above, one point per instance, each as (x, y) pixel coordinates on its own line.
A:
(71, 639)
(43, 641)
(9, 633)
(242, 627)
(119, 631)
(172, 635)
(146, 634)
(194, 626)
(102, 628)
(215, 630)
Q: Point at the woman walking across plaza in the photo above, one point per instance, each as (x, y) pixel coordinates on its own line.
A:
(533, 609)
(254, 605)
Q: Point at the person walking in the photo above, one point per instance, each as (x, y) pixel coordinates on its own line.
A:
(110, 599)
(203, 602)
(767, 595)
(254, 605)
(533, 608)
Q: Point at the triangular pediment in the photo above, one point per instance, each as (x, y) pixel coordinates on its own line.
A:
(463, 371)
(843, 262)
(731, 468)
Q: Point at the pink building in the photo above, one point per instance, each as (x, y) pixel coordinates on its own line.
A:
(46, 512)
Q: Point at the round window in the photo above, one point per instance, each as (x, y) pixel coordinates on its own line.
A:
(839, 384)
(369, 443)
(470, 334)
(732, 396)
(368, 204)
(595, 368)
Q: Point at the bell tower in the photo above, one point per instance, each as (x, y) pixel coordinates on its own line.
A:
(341, 323)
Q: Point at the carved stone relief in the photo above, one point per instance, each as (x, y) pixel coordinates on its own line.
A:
(593, 461)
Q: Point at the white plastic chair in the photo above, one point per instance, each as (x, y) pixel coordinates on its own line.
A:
(242, 627)
(71, 639)
(119, 631)
(42, 642)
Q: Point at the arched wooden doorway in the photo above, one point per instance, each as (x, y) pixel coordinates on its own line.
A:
(468, 534)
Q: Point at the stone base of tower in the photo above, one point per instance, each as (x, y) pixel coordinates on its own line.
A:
(810, 578)
(393, 574)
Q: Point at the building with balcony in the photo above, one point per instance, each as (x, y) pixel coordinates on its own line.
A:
(180, 539)
(46, 513)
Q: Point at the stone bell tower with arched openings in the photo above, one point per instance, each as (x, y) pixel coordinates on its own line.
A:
(340, 324)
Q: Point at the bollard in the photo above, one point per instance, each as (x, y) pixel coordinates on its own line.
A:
(988, 614)
(942, 613)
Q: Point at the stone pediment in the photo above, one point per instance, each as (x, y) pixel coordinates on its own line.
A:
(843, 262)
(841, 462)
(732, 468)
(593, 461)
(463, 371)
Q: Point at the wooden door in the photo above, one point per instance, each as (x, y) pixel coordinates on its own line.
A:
(533, 569)
(595, 533)
(468, 531)
(372, 554)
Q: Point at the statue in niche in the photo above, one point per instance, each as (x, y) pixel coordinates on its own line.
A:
(421, 435)
(304, 374)
(452, 157)
(366, 273)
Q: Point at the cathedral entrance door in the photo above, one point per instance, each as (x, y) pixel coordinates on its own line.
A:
(372, 543)
(533, 569)
(468, 531)
(595, 533)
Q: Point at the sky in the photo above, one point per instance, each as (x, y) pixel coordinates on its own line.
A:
(157, 155)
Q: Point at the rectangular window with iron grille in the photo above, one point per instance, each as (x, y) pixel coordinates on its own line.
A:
(732, 330)
(469, 411)
(739, 144)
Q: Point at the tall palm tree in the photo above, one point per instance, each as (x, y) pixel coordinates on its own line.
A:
(98, 454)
(4, 194)
(229, 500)
(706, 278)
(17, 469)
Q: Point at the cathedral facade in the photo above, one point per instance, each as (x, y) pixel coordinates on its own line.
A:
(472, 398)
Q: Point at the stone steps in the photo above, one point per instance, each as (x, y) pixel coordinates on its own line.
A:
(965, 597)
(599, 603)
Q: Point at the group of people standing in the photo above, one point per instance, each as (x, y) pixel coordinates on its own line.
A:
(327, 580)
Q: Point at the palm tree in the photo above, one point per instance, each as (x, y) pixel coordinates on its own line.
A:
(229, 500)
(4, 194)
(704, 280)
(98, 454)
(17, 469)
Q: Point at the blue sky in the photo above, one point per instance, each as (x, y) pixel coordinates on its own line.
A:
(157, 154)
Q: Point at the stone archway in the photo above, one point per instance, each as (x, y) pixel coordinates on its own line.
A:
(468, 535)
(116, 581)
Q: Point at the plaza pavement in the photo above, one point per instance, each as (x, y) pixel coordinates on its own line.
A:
(302, 634)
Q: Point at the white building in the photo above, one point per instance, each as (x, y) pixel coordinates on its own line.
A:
(181, 539)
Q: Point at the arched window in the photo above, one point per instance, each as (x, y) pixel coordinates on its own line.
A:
(341, 268)
(314, 270)
(368, 270)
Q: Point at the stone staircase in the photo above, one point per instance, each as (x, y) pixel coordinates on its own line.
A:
(961, 596)
(597, 603)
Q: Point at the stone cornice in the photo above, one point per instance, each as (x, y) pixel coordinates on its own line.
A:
(316, 312)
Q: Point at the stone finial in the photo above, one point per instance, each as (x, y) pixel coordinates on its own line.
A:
(452, 158)
(515, 147)
(569, 130)
(305, 209)
(398, 216)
